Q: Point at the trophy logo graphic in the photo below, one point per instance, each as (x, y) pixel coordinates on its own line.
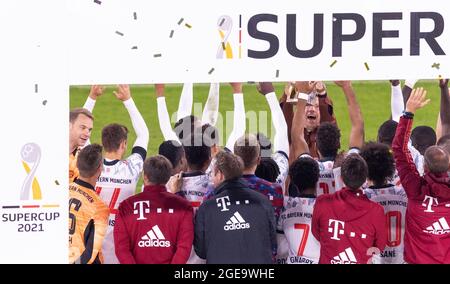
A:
(31, 155)
(225, 25)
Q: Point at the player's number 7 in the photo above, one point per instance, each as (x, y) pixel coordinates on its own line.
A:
(304, 237)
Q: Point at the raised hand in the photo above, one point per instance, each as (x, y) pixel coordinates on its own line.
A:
(443, 83)
(237, 88)
(343, 84)
(320, 88)
(159, 90)
(96, 91)
(123, 92)
(417, 100)
(265, 88)
(305, 87)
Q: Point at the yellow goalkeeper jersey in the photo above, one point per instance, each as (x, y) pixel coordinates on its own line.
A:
(88, 220)
(73, 170)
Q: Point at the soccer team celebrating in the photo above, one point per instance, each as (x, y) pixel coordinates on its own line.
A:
(298, 200)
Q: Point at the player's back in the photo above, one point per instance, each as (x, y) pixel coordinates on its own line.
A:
(394, 201)
(295, 223)
(326, 184)
(195, 186)
(88, 216)
(116, 183)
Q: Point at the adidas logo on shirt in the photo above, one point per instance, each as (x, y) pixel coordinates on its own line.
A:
(345, 257)
(154, 238)
(438, 228)
(236, 222)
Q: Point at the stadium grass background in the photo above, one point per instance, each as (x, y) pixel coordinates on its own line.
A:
(373, 97)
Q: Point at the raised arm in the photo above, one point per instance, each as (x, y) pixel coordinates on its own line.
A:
(445, 108)
(280, 143)
(409, 176)
(299, 145)
(356, 119)
(397, 104)
(325, 104)
(407, 89)
(287, 107)
(211, 110)
(142, 136)
(163, 115)
(95, 92)
(186, 101)
(239, 123)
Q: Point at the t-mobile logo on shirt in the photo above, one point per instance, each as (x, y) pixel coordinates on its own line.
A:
(222, 203)
(430, 201)
(335, 230)
(140, 209)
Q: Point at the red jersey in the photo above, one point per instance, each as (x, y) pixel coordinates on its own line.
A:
(349, 227)
(154, 226)
(427, 234)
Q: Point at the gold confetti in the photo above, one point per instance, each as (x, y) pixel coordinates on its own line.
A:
(333, 63)
(367, 66)
(436, 65)
(188, 26)
(56, 181)
(223, 45)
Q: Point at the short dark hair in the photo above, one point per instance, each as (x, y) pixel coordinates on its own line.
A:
(112, 135)
(157, 169)
(172, 150)
(265, 145)
(229, 165)
(386, 132)
(444, 142)
(436, 159)
(267, 169)
(247, 147)
(423, 137)
(328, 139)
(89, 160)
(197, 150)
(74, 113)
(185, 126)
(380, 162)
(211, 132)
(304, 173)
(354, 171)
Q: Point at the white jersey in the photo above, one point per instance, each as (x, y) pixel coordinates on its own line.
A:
(282, 161)
(195, 185)
(326, 184)
(116, 183)
(394, 201)
(295, 223)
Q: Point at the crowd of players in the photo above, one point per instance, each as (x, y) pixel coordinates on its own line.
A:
(298, 200)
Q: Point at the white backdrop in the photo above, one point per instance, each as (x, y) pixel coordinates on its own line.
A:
(35, 109)
(138, 41)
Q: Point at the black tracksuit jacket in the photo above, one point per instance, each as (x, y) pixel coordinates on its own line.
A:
(236, 226)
